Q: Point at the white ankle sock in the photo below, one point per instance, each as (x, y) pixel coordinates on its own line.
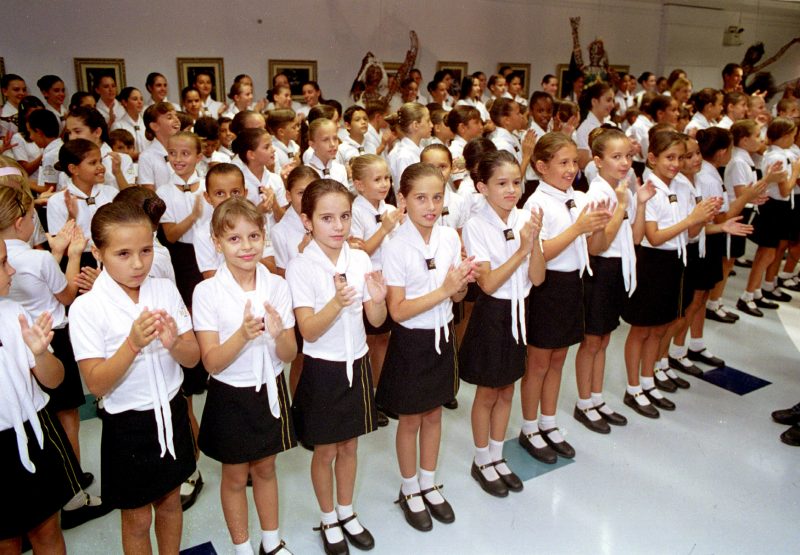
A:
(484, 457)
(333, 534)
(244, 548)
(785, 275)
(597, 400)
(660, 375)
(650, 386)
(427, 479)
(346, 511)
(677, 351)
(662, 364)
(757, 294)
(592, 414)
(768, 286)
(640, 399)
(411, 485)
(697, 344)
(548, 422)
(79, 500)
(671, 373)
(270, 539)
(747, 296)
(713, 305)
(496, 452)
(531, 427)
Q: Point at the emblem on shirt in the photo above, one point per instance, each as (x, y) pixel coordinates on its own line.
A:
(445, 211)
(508, 234)
(431, 262)
(673, 198)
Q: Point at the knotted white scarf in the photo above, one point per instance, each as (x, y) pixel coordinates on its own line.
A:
(568, 199)
(625, 235)
(661, 187)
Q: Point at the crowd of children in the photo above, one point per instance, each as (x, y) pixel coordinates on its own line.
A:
(153, 255)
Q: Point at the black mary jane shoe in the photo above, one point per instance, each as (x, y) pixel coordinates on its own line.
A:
(789, 417)
(187, 501)
(680, 382)
(613, 418)
(745, 306)
(662, 403)
(512, 481)
(383, 420)
(792, 436)
(762, 302)
(331, 548)
(645, 410)
(543, 454)
(496, 487)
(691, 369)
(443, 512)
(705, 357)
(666, 384)
(280, 550)
(419, 520)
(363, 540)
(600, 426)
(563, 448)
(777, 295)
(726, 319)
(452, 404)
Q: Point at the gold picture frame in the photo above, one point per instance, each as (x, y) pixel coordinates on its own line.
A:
(458, 69)
(188, 68)
(525, 71)
(89, 71)
(296, 71)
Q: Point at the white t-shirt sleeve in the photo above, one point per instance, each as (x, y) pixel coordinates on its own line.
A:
(393, 266)
(86, 331)
(283, 303)
(52, 275)
(177, 309)
(56, 213)
(301, 285)
(204, 313)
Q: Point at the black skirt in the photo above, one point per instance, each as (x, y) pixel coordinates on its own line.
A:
(326, 408)
(795, 225)
(32, 498)
(134, 474)
(187, 274)
(772, 224)
(489, 356)
(386, 327)
(738, 244)
(704, 273)
(604, 295)
(415, 378)
(258, 433)
(195, 380)
(555, 311)
(69, 393)
(657, 299)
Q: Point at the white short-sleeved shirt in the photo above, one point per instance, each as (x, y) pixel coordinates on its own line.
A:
(153, 165)
(217, 157)
(212, 108)
(455, 211)
(135, 128)
(106, 110)
(405, 266)
(658, 209)
(332, 170)
(268, 180)
(601, 190)
(556, 218)
(101, 322)
(25, 151)
(179, 203)
(365, 222)
(478, 105)
(402, 155)
(473, 200)
(286, 236)
(60, 114)
(6, 126)
(725, 122)
(639, 132)
(772, 155)
(312, 286)
(126, 167)
(162, 262)
(349, 148)
(284, 153)
(36, 282)
(47, 170)
(457, 147)
(57, 208)
(698, 121)
(487, 242)
(587, 126)
(372, 138)
(218, 306)
(504, 139)
(709, 184)
(740, 171)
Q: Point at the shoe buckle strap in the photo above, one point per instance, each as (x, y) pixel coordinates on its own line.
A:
(440, 486)
(406, 497)
(325, 526)
(344, 521)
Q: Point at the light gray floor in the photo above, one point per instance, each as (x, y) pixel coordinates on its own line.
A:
(710, 478)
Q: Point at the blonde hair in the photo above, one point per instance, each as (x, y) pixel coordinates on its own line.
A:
(360, 165)
(410, 112)
(14, 181)
(549, 144)
(227, 213)
(189, 136)
(14, 204)
(314, 126)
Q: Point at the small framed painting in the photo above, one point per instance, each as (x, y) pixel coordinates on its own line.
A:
(296, 71)
(524, 71)
(89, 71)
(190, 68)
(458, 69)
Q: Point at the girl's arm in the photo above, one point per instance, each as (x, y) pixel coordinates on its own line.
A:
(375, 308)
(388, 222)
(313, 325)
(47, 368)
(116, 170)
(453, 287)
(492, 280)
(74, 252)
(175, 230)
(787, 185)
(31, 166)
(638, 225)
(587, 222)
(693, 223)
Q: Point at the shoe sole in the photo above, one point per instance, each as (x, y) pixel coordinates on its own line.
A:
(474, 473)
(589, 424)
(523, 441)
(635, 406)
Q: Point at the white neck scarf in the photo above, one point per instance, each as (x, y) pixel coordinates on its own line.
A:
(409, 234)
(661, 187)
(627, 249)
(324, 170)
(121, 302)
(568, 199)
(314, 253)
(702, 236)
(510, 233)
(265, 372)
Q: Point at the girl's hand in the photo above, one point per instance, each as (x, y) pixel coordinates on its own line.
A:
(622, 194)
(356, 243)
(455, 280)
(6, 145)
(390, 219)
(735, 227)
(39, 335)
(251, 326)
(537, 215)
(72, 205)
(592, 220)
(526, 236)
(272, 321)
(775, 173)
(60, 241)
(287, 169)
(376, 285)
(636, 145)
(345, 294)
(116, 159)
(85, 280)
(167, 329)
(144, 329)
(528, 144)
(304, 242)
(645, 192)
(703, 212)
(77, 242)
(267, 200)
(197, 208)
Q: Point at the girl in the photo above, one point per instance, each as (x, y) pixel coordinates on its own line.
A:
(131, 333)
(505, 243)
(14, 90)
(54, 93)
(506, 116)
(156, 84)
(707, 110)
(25, 150)
(323, 142)
(264, 188)
(465, 124)
(515, 87)
(498, 88)
(597, 102)
(471, 96)
(226, 137)
(84, 193)
(133, 102)
(204, 85)
(160, 122)
(289, 236)
(455, 211)
(312, 96)
(656, 303)
(425, 275)
(81, 98)
(241, 95)
(474, 151)
(415, 123)
(285, 131)
(614, 274)
(87, 123)
(245, 357)
(735, 108)
(192, 104)
(555, 320)
(773, 223)
(331, 284)
(105, 92)
(354, 140)
(440, 134)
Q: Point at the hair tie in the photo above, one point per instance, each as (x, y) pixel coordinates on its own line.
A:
(10, 170)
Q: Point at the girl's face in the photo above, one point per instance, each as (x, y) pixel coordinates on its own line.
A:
(78, 129)
(242, 245)
(6, 270)
(440, 160)
(667, 164)
(514, 86)
(283, 98)
(325, 142)
(714, 111)
(787, 140)
(128, 255)
(682, 94)
(88, 102)
(90, 171)
(513, 120)
(542, 111)
(311, 95)
(562, 168)
(56, 94)
(106, 89)
(264, 153)
(244, 98)
(670, 115)
(499, 87)
(601, 107)
(476, 91)
(160, 89)
(222, 187)
(503, 189)
(471, 129)
(225, 135)
(15, 92)
(443, 133)
(166, 125)
(616, 161)
(359, 123)
(291, 132)
(756, 107)
(192, 103)
(183, 156)
(425, 201)
(296, 193)
(439, 94)
(410, 93)
(330, 222)
(203, 84)
(376, 184)
(425, 126)
(135, 103)
(692, 160)
(737, 111)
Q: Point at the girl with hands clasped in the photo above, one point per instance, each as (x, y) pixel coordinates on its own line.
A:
(555, 319)
(425, 275)
(331, 285)
(131, 334)
(244, 324)
(504, 241)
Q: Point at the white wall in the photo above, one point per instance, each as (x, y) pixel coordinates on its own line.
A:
(149, 35)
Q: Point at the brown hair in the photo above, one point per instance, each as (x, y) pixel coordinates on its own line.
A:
(712, 140)
(191, 137)
(153, 205)
(436, 147)
(226, 214)
(319, 188)
(493, 160)
(246, 141)
(13, 181)
(299, 173)
(115, 214)
(461, 114)
(743, 129)
(278, 119)
(224, 168)
(14, 204)
(73, 153)
(779, 127)
(663, 140)
(410, 112)
(151, 115)
(314, 126)
(415, 172)
(360, 164)
(600, 137)
(549, 144)
(501, 107)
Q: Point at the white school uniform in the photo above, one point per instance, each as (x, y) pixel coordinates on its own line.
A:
(671, 204)
(365, 222)
(135, 128)
(268, 180)
(87, 206)
(60, 114)
(624, 101)
(709, 184)
(372, 138)
(180, 201)
(591, 173)
(504, 139)
(101, 322)
(639, 132)
(698, 121)
(162, 262)
(25, 151)
(230, 111)
(36, 282)
(204, 164)
(478, 105)
(126, 167)
(777, 154)
(9, 118)
(349, 148)
(725, 122)
(587, 126)
(473, 200)
(105, 110)
(455, 211)
(211, 108)
(520, 100)
(332, 170)
(286, 236)
(402, 155)
(284, 153)
(47, 170)
(740, 171)
(154, 168)
(457, 147)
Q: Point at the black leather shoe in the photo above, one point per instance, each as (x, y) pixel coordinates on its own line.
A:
(363, 540)
(790, 416)
(645, 410)
(563, 448)
(544, 454)
(420, 520)
(388, 413)
(599, 426)
(662, 403)
(763, 303)
(512, 481)
(383, 420)
(452, 404)
(743, 263)
(188, 500)
(86, 480)
(680, 382)
(789, 284)
(76, 517)
(280, 550)
(331, 548)
(777, 295)
(666, 384)
(725, 317)
(730, 313)
(791, 436)
(705, 357)
(442, 512)
(614, 418)
(749, 307)
(691, 369)
(496, 487)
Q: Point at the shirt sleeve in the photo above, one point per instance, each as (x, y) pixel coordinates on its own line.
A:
(300, 284)
(169, 214)
(52, 274)
(146, 172)
(283, 302)
(56, 213)
(204, 315)
(177, 309)
(474, 242)
(737, 174)
(86, 330)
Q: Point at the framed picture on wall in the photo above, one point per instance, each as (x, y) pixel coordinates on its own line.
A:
(522, 69)
(189, 68)
(458, 69)
(565, 83)
(89, 71)
(391, 68)
(296, 71)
